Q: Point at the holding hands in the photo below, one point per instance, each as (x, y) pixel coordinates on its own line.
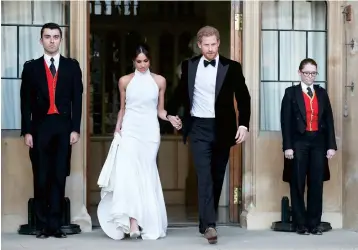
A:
(175, 121)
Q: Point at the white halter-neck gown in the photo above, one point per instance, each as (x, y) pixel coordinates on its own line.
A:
(129, 178)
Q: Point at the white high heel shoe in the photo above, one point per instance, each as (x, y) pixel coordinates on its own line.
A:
(135, 234)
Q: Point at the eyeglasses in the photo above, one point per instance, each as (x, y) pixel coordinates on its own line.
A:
(310, 73)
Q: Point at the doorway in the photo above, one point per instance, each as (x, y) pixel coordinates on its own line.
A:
(168, 28)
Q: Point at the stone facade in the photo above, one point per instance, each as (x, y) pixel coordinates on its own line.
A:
(263, 159)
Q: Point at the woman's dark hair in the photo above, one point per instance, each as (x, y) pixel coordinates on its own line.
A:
(306, 61)
(141, 48)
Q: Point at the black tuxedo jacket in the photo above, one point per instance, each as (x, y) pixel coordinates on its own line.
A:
(293, 122)
(34, 93)
(230, 83)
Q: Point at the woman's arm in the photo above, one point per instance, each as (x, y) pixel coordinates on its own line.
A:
(122, 84)
(161, 82)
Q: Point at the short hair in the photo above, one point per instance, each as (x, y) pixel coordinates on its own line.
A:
(306, 61)
(207, 31)
(51, 26)
(141, 48)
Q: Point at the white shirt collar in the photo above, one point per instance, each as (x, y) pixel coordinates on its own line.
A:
(48, 59)
(304, 87)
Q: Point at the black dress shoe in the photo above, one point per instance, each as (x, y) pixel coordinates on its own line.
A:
(302, 230)
(42, 234)
(316, 231)
(59, 234)
(201, 228)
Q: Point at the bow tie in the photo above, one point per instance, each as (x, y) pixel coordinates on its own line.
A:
(206, 63)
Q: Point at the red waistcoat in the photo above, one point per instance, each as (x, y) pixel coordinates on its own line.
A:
(311, 105)
(51, 83)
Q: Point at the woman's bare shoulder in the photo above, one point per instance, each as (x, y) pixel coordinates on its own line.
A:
(160, 80)
(124, 80)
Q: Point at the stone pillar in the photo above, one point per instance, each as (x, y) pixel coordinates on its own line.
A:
(251, 68)
(350, 122)
(76, 188)
(332, 193)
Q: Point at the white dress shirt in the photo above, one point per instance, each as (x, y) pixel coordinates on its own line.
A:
(304, 87)
(204, 90)
(56, 61)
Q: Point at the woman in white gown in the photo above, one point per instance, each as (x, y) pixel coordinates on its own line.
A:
(131, 195)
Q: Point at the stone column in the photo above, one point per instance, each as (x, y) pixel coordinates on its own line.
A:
(251, 68)
(332, 194)
(350, 122)
(76, 188)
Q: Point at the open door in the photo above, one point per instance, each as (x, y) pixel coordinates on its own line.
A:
(112, 30)
(235, 161)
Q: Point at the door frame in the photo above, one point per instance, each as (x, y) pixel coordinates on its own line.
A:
(235, 160)
(88, 102)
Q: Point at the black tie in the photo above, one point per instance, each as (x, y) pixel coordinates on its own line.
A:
(52, 67)
(206, 63)
(309, 92)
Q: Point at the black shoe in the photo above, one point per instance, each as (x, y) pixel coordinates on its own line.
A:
(302, 230)
(316, 231)
(42, 234)
(201, 228)
(59, 234)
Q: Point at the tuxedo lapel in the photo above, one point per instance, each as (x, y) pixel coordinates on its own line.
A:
(193, 66)
(320, 101)
(220, 76)
(300, 101)
(41, 74)
(60, 72)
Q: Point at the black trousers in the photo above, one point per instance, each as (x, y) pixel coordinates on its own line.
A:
(210, 159)
(309, 161)
(49, 157)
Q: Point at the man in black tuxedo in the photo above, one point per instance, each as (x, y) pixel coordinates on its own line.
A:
(308, 142)
(207, 88)
(51, 107)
